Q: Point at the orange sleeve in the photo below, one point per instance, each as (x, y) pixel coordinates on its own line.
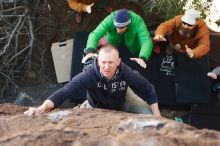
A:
(168, 26)
(203, 46)
(77, 6)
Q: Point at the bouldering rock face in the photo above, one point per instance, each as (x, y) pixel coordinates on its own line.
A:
(97, 127)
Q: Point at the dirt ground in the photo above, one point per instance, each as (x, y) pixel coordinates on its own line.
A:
(96, 127)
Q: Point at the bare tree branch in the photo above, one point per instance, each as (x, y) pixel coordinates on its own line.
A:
(16, 41)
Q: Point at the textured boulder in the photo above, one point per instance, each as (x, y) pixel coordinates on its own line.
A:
(80, 127)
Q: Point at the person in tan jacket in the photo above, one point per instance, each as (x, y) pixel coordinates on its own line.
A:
(186, 33)
(86, 6)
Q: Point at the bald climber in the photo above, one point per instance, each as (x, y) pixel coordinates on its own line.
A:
(107, 81)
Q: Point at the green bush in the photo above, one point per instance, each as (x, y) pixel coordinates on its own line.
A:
(165, 9)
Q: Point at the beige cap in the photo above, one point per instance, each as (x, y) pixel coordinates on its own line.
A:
(191, 16)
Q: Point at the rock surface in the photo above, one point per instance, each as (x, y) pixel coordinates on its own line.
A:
(97, 127)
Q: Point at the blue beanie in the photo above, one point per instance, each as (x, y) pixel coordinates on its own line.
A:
(122, 18)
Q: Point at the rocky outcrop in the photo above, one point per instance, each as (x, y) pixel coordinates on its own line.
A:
(97, 127)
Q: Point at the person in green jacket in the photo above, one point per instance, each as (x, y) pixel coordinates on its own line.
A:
(122, 26)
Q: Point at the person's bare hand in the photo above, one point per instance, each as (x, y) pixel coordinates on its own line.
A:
(89, 8)
(212, 75)
(159, 38)
(189, 52)
(33, 111)
(89, 55)
(140, 61)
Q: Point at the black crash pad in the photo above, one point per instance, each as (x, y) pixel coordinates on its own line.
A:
(204, 116)
(193, 85)
(80, 39)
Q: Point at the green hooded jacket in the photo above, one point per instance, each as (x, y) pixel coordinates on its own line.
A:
(136, 38)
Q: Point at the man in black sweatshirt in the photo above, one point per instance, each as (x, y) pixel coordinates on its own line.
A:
(110, 85)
